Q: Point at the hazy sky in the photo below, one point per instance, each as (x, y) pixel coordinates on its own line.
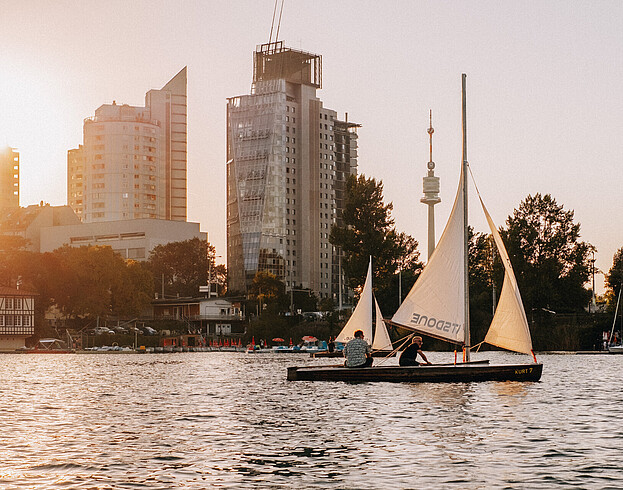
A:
(545, 109)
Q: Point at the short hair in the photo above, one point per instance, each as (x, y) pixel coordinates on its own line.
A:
(359, 333)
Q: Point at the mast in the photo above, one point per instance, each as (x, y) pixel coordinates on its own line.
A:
(465, 222)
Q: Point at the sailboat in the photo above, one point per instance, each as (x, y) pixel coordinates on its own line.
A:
(361, 319)
(616, 348)
(438, 306)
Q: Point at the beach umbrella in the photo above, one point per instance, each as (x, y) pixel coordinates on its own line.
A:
(309, 338)
(278, 339)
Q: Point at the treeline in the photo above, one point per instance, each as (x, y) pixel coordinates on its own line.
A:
(83, 283)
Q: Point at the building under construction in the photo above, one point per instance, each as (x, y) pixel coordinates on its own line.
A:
(288, 159)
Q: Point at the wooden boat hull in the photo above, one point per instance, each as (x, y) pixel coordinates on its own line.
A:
(459, 373)
(378, 353)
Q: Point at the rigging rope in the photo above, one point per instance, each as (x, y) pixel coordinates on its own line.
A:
(406, 339)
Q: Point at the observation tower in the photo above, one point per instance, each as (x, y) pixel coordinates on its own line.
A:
(431, 191)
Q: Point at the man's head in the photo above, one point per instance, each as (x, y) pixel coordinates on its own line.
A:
(359, 334)
(417, 339)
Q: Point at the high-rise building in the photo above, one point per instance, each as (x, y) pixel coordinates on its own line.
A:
(285, 174)
(9, 178)
(132, 163)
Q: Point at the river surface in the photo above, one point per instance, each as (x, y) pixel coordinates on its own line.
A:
(232, 420)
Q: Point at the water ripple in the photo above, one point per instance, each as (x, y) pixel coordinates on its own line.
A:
(232, 420)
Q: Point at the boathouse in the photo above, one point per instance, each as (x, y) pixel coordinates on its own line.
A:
(17, 318)
(213, 317)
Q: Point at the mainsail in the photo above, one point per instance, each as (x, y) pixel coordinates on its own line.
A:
(435, 305)
(509, 327)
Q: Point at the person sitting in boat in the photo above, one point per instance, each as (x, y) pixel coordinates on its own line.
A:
(409, 355)
(357, 352)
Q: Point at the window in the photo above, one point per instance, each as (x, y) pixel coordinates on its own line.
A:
(8, 304)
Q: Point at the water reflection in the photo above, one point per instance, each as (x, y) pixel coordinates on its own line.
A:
(232, 420)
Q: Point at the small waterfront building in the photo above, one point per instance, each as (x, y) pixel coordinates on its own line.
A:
(17, 318)
(213, 317)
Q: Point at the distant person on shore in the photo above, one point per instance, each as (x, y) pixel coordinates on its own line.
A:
(357, 352)
(409, 355)
(331, 345)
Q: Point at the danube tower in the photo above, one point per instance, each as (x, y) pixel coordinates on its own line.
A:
(431, 191)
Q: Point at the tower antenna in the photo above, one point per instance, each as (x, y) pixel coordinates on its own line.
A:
(279, 24)
(272, 25)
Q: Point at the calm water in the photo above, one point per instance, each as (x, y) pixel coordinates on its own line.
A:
(202, 420)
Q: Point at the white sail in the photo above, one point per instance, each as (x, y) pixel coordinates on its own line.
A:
(509, 327)
(435, 305)
(381, 336)
(361, 319)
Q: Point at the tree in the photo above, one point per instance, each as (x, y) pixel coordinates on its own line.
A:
(96, 281)
(182, 267)
(614, 278)
(368, 230)
(551, 263)
(267, 286)
(132, 289)
(12, 253)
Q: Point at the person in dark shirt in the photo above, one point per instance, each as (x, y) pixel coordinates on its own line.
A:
(331, 345)
(409, 355)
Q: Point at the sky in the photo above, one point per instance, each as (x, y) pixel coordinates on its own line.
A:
(544, 103)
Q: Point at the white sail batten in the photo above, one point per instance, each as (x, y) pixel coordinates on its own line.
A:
(361, 319)
(435, 305)
(509, 328)
(381, 336)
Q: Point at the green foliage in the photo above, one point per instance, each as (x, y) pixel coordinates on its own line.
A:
(368, 230)
(269, 291)
(614, 278)
(551, 263)
(80, 282)
(327, 305)
(183, 265)
(95, 281)
(482, 277)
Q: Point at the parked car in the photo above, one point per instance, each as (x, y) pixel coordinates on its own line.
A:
(150, 331)
(312, 316)
(103, 331)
